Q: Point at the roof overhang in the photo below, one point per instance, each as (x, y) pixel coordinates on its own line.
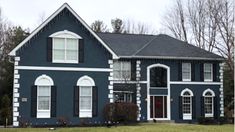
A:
(65, 5)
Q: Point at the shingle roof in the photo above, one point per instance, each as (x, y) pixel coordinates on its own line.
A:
(153, 46)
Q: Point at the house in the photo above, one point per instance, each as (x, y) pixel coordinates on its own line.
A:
(64, 69)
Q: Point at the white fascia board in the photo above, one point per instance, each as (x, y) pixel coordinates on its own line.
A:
(65, 5)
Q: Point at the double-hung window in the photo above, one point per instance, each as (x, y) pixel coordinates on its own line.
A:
(65, 47)
(187, 104)
(209, 103)
(85, 101)
(43, 101)
(122, 70)
(208, 72)
(123, 96)
(186, 71)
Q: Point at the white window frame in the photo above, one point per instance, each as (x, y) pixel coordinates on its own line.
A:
(85, 81)
(85, 112)
(120, 77)
(190, 74)
(125, 95)
(187, 116)
(212, 101)
(44, 80)
(65, 35)
(208, 80)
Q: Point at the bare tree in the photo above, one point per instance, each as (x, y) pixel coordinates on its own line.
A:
(41, 18)
(99, 26)
(175, 21)
(138, 28)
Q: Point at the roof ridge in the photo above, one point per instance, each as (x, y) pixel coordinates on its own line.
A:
(145, 45)
(126, 33)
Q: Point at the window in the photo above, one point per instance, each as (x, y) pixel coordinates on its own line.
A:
(122, 70)
(187, 104)
(186, 71)
(65, 47)
(208, 103)
(123, 96)
(85, 98)
(43, 84)
(207, 72)
(158, 77)
(86, 85)
(44, 97)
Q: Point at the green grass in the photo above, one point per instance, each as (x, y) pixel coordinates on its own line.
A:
(149, 127)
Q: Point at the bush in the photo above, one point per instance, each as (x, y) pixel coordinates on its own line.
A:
(63, 121)
(206, 120)
(121, 112)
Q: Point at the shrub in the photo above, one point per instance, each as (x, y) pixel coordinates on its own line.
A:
(121, 112)
(206, 120)
(63, 121)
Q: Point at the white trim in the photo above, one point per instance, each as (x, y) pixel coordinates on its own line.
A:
(44, 113)
(168, 87)
(44, 80)
(65, 5)
(63, 68)
(85, 112)
(208, 90)
(171, 57)
(65, 34)
(186, 90)
(85, 81)
(198, 83)
(129, 82)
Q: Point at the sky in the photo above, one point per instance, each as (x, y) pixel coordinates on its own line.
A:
(28, 13)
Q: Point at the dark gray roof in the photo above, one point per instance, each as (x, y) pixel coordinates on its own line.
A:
(153, 46)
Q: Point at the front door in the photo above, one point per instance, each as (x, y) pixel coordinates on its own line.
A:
(158, 107)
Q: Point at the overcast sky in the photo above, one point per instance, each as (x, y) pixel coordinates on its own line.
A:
(27, 13)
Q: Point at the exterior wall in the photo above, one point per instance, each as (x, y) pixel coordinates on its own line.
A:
(34, 53)
(65, 82)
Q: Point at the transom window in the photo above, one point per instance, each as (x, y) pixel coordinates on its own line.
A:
(65, 47)
(187, 104)
(208, 103)
(208, 72)
(123, 96)
(122, 70)
(186, 71)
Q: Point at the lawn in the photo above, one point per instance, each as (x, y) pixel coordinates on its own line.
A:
(150, 127)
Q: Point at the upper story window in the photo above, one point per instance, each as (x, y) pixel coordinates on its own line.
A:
(158, 77)
(208, 72)
(65, 46)
(186, 71)
(122, 70)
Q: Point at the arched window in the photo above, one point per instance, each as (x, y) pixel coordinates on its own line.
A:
(85, 85)
(65, 47)
(187, 95)
(208, 96)
(43, 84)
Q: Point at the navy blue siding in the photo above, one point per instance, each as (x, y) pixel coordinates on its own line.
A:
(65, 82)
(34, 53)
(155, 91)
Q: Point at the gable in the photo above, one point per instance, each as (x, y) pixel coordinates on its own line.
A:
(64, 6)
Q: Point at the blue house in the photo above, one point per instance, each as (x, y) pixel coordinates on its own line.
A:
(64, 69)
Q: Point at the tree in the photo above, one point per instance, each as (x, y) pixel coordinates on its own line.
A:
(117, 25)
(5, 111)
(99, 26)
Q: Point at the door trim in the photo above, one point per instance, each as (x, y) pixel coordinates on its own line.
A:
(168, 88)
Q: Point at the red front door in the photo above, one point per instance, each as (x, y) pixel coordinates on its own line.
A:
(158, 107)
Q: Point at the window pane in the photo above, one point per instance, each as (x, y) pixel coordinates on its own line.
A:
(72, 55)
(123, 96)
(186, 70)
(122, 70)
(85, 103)
(58, 43)
(72, 44)
(43, 103)
(207, 76)
(207, 67)
(85, 91)
(158, 77)
(44, 91)
(186, 105)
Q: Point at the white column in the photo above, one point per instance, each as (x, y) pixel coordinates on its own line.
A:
(16, 93)
(221, 90)
(138, 87)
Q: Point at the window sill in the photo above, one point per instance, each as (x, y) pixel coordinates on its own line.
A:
(209, 115)
(69, 62)
(208, 80)
(186, 80)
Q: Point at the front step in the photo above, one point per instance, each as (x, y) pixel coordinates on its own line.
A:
(162, 121)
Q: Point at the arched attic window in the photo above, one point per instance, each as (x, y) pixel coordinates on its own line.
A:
(187, 104)
(42, 100)
(67, 47)
(86, 100)
(208, 101)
